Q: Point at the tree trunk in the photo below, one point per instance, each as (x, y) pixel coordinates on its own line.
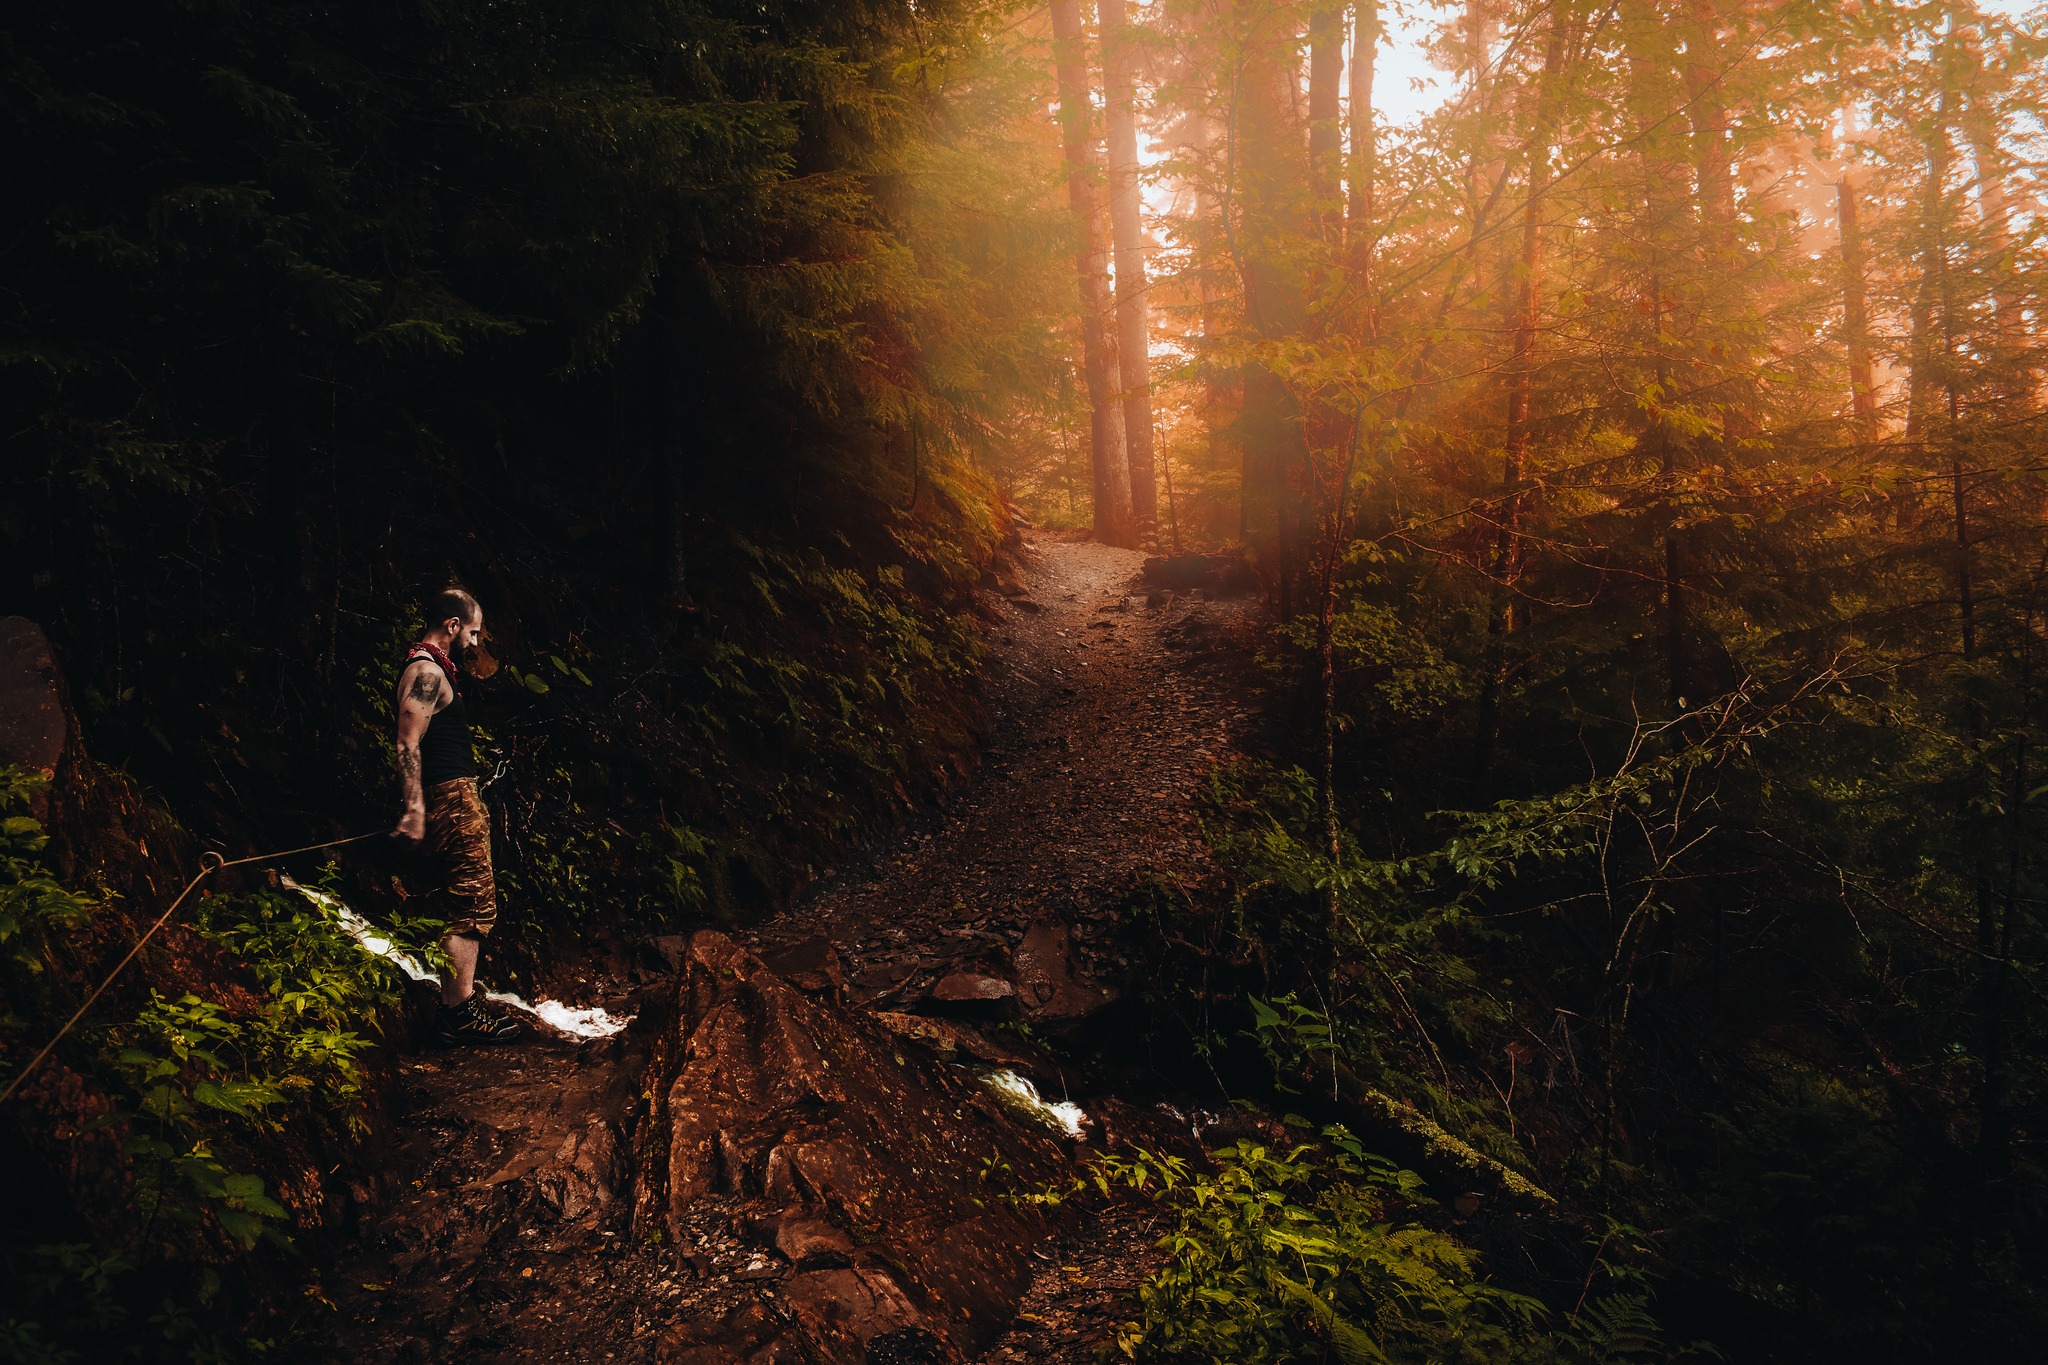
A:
(1222, 387)
(1268, 156)
(1652, 92)
(1113, 520)
(1365, 50)
(1126, 207)
(1856, 310)
(1927, 358)
(1506, 569)
(1934, 361)
(1492, 162)
(1991, 163)
(1335, 542)
(1988, 159)
(1325, 123)
(1704, 74)
(1994, 206)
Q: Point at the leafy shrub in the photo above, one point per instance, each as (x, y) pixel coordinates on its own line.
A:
(104, 1308)
(1320, 1253)
(205, 1078)
(31, 900)
(202, 1090)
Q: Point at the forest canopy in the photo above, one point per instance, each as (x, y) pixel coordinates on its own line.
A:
(1640, 452)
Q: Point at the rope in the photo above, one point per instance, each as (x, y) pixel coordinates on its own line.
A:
(210, 862)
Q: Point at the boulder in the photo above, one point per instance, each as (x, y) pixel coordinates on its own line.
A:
(584, 1173)
(860, 1161)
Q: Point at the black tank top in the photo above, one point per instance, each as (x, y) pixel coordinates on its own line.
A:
(445, 750)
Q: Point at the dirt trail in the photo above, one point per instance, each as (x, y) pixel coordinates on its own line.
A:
(505, 1232)
(1104, 724)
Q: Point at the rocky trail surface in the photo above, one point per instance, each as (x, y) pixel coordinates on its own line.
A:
(798, 1151)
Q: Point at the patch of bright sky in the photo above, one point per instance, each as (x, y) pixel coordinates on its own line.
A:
(1406, 84)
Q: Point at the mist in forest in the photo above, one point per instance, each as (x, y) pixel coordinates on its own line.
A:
(1421, 621)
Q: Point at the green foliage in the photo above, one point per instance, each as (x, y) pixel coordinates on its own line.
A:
(106, 1309)
(201, 1089)
(1522, 974)
(1291, 1034)
(208, 1082)
(1321, 1252)
(32, 903)
(193, 1074)
(317, 975)
(682, 857)
(1396, 986)
(1662, 571)
(1394, 665)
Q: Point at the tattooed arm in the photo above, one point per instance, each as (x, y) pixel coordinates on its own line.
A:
(421, 692)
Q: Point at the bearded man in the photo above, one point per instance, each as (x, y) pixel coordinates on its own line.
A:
(444, 812)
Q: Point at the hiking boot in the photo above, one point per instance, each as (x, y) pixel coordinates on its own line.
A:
(470, 1022)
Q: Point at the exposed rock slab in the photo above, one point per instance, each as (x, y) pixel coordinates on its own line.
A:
(969, 987)
(951, 1039)
(860, 1162)
(1045, 974)
(811, 965)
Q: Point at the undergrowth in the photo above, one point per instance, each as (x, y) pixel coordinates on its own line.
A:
(204, 1094)
(1323, 1251)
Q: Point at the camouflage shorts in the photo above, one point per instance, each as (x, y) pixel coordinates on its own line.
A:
(464, 891)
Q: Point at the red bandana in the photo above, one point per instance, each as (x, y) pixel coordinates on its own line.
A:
(428, 650)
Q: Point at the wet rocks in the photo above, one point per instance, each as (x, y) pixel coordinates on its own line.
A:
(1045, 974)
(747, 1335)
(812, 1243)
(951, 1039)
(506, 1178)
(584, 1173)
(811, 965)
(972, 988)
(858, 1161)
(1035, 980)
(839, 1184)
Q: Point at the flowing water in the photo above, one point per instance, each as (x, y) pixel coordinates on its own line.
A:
(578, 1021)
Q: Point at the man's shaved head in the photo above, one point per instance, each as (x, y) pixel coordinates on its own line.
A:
(451, 601)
